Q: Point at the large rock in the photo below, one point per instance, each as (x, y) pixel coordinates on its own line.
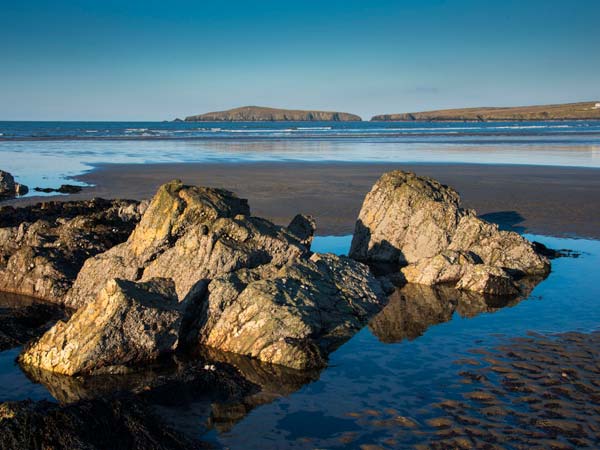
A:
(191, 234)
(246, 285)
(413, 221)
(127, 324)
(292, 316)
(9, 188)
(42, 247)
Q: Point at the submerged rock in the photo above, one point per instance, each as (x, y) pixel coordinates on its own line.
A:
(42, 247)
(128, 323)
(413, 221)
(9, 188)
(293, 316)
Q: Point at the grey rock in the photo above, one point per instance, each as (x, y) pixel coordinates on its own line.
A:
(413, 221)
(43, 246)
(189, 234)
(292, 316)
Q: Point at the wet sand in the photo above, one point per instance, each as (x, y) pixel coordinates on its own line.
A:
(535, 199)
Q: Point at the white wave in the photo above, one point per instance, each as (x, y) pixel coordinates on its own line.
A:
(135, 130)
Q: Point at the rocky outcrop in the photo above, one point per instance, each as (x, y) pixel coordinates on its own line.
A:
(293, 316)
(246, 286)
(9, 188)
(42, 247)
(413, 221)
(260, 114)
(128, 324)
(567, 111)
(62, 189)
(189, 234)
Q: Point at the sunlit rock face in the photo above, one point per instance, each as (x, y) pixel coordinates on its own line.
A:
(43, 246)
(294, 315)
(190, 234)
(417, 222)
(128, 323)
(199, 270)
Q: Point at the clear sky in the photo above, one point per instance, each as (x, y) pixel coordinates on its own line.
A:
(155, 60)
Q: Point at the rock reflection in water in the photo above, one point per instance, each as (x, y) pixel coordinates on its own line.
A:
(274, 381)
(413, 308)
(23, 318)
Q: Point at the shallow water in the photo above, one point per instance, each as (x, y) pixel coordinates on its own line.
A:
(46, 154)
(406, 360)
(367, 376)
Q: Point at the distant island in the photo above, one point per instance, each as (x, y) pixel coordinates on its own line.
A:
(566, 111)
(263, 114)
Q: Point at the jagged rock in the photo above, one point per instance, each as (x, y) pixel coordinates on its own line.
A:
(487, 280)
(117, 423)
(191, 234)
(293, 316)
(128, 323)
(446, 267)
(247, 286)
(42, 247)
(9, 188)
(465, 270)
(505, 249)
(416, 221)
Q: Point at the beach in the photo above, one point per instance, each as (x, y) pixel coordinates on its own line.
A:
(557, 201)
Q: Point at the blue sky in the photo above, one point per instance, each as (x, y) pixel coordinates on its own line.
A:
(155, 60)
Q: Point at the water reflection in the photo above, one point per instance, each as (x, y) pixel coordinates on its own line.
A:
(413, 308)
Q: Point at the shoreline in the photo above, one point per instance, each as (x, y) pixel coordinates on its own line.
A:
(547, 200)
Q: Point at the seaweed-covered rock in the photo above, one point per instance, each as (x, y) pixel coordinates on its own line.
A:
(42, 247)
(116, 423)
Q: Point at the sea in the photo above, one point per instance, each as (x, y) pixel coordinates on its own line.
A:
(47, 154)
(383, 387)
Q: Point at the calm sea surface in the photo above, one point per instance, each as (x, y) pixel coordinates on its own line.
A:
(407, 359)
(46, 154)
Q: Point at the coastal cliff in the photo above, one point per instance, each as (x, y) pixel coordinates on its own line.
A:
(263, 114)
(567, 111)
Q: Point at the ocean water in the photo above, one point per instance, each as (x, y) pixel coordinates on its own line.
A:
(48, 154)
(405, 360)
